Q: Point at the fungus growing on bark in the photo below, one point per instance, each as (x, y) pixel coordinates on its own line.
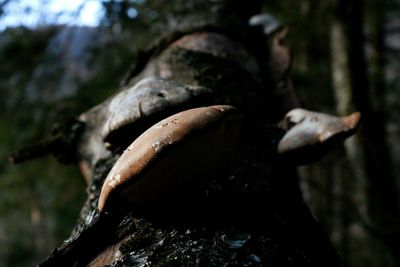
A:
(310, 135)
(268, 23)
(151, 96)
(125, 115)
(177, 156)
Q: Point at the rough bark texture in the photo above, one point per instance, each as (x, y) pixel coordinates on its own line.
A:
(255, 216)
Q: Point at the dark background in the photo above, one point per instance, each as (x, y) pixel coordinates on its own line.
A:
(345, 58)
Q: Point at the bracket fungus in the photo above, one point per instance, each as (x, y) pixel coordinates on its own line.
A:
(310, 135)
(151, 96)
(175, 157)
(268, 23)
(123, 116)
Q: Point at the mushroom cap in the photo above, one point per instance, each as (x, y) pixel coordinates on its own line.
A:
(125, 115)
(310, 134)
(150, 96)
(174, 157)
(269, 23)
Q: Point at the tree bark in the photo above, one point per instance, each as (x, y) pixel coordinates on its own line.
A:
(255, 215)
(376, 187)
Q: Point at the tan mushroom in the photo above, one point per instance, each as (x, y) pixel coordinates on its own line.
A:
(310, 135)
(125, 115)
(174, 157)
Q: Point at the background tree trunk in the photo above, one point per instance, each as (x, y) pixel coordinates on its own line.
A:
(359, 192)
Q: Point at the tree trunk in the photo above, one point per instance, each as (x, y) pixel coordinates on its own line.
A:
(374, 182)
(254, 215)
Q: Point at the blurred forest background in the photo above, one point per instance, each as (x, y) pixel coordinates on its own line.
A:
(59, 58)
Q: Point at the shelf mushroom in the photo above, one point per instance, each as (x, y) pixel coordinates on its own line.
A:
(125, 115)
(310, 135)
(175, 157)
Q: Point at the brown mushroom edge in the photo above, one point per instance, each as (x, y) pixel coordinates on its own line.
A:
(173, 160)
(311, 135)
